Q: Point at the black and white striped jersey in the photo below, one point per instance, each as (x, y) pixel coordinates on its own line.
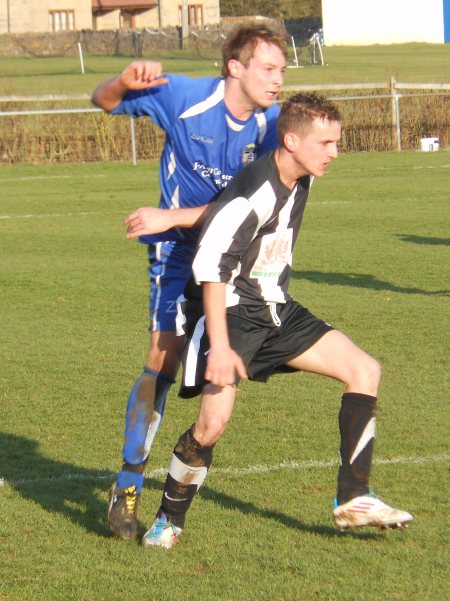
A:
(249, 235)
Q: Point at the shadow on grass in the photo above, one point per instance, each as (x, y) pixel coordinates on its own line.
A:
(430, 240)
(361, 280)
(229, 502)
(79, 494)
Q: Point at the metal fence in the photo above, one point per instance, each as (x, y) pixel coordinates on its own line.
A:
(381, 116)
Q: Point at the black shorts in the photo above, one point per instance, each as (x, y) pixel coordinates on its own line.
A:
(266, 342)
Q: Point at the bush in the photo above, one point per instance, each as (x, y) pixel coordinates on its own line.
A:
(82, 137)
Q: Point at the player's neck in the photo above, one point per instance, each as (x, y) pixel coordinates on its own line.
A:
(236, 102)
(288, 170)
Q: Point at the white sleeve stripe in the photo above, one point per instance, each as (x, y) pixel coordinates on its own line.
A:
(203, 106)
(262, 125)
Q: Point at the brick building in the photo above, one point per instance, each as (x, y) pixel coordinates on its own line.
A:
(20, 16)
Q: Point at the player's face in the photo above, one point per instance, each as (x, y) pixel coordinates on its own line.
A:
(317, 147)
(262, 79)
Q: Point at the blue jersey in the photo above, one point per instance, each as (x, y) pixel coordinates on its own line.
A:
(205, 145)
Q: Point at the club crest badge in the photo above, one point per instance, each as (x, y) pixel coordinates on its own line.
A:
(249, 154)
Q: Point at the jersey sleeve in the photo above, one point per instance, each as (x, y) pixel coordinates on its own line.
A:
(162, 103)
(226, 235)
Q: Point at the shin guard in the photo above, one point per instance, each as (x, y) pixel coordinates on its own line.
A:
(145, 410)
(187, 471)
(357, 430)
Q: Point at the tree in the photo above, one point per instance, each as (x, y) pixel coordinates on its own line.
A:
(280, 9)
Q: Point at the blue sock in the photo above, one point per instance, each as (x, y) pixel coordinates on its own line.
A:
(145, 409)
(126, 479)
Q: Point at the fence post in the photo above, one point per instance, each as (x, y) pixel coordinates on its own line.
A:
(80, 53)
(133, 141)
(396, 112)
(184, 23)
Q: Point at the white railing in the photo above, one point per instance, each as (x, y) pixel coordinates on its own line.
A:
(394, 94)
(63, 97)
(395, 91)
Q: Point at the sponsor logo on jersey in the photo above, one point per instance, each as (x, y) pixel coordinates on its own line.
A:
(220, 179)
(249, 154)
(202, 138)
(274, 254)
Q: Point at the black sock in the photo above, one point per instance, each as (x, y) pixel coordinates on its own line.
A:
(188, 468)
(357, 429)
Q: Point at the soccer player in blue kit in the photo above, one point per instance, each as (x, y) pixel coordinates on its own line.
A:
(214, 127)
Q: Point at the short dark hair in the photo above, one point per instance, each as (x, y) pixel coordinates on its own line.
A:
(300, 110)
(241, 43)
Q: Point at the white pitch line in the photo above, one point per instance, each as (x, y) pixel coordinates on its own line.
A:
(88, 213)
(330, 202)
(343, 169)
(41, 177)
(235, 471)
(313, 203)
(94, 175)
(446, 166)
(45, 215)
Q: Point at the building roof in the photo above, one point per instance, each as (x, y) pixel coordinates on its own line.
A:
(123, 4)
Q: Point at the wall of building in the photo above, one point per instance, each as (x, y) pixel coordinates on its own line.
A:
(364, 22)
(82, 9)
(118, 42)
(19, 16)
(170, 14)
(109, 20)
(149, 18)
(33, 15)
(211, 12)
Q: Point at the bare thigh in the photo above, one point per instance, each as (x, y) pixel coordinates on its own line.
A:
(336, 356)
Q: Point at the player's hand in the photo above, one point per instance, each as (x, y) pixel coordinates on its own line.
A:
(147, 221)
(224, 366)
(140, 75)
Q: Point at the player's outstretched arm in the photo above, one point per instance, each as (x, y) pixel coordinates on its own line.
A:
(224, 365)
(151, 220)
(138, 75)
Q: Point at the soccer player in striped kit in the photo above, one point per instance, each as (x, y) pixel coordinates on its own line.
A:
(248, 326)
(214, 126)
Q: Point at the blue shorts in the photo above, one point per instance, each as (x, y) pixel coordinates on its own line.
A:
(169, 270)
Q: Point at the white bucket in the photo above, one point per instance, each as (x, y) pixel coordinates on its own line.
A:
(429, 144)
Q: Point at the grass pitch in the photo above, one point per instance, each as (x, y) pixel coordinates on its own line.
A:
(372, 259)
(416, 63)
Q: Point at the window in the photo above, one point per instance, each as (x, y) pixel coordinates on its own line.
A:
(62, 20)
(195, 14)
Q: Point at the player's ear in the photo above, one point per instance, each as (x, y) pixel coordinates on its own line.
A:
(234, 67)
(291, 141)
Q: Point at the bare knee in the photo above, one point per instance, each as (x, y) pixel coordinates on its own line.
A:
(208, 433)
(165, 352)
(166, 362)
(374, 373)
(211, 422)
(365, 376)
